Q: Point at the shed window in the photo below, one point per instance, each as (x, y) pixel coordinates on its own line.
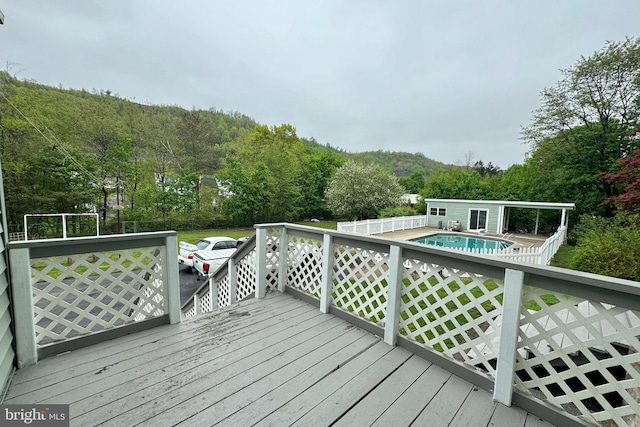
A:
(438, 211)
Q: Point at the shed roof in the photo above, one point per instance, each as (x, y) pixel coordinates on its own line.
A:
(509, 203)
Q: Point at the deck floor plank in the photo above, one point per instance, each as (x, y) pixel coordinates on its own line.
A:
(342, 400)
(508, 416)
(285, 404)
(533, 421)
(241, 394)
(476, 410)
(373, 405)
(275, 361)
(406, 408)
(178, 384)
(62, 382)
(444, 405)
(53, 369)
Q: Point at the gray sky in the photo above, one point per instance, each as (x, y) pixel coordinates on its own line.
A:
(438, 77)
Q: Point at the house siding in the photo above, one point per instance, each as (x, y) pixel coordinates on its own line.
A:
(7, 354)
(460, 212)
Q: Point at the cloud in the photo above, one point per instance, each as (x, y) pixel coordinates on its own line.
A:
(442, 78)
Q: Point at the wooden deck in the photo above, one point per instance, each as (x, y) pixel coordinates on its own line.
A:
(276, 361)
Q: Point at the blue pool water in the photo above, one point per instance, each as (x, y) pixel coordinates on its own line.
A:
(457, 241)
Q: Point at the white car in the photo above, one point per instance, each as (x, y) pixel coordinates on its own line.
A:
(186, 251)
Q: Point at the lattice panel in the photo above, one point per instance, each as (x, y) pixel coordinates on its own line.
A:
(205, 302)
(305, 265)
(272, 257)
(360, 282)
(81, 294)
(581, 355)
(224, 295)
(246, 268)
(190, 313)
(452, 311)
(146, 309)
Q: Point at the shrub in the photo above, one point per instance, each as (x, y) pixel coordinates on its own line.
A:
(610, 247)
(397, 211)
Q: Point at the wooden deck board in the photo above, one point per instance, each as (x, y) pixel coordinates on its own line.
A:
(283, 403)
(327, 356)
(276, 361)
(327, 400)
(142, 355)
(179, 382)
(444, 405)
(406, 408)
(475, 410)
(373, 405)
(508, 416)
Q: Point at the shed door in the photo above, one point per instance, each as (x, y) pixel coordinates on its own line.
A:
(478, 219)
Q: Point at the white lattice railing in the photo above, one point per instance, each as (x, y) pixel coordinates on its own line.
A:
(566, 339)
(65, 289)
(384, 225)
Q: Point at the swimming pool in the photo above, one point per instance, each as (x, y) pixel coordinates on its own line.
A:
(457, 241)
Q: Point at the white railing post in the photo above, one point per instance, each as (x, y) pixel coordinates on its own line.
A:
(283, 255)
(261, 262)
(171, 278)
(197, 307)
(25, 328)
(233, 281)
(394, 293)
(326, 288)
(213, 293)
(509, 330)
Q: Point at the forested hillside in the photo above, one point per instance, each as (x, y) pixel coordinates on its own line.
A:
(69, 150)
(401, 164)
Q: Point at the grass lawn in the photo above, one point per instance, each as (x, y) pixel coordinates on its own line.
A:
(563, 256)
(192, 236)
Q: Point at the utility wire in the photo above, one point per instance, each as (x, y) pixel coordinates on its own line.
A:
(53, 140)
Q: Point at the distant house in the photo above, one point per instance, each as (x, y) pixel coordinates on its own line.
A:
(491, 216)
(410, 200)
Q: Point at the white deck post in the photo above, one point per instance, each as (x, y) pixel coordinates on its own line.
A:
(394, 292)
(213, 292)
(64, 226)
(25, 328)
(233, 281)
(537, 221)
(326, 287)
(283, 254)
(171, 278)
(510, 327)
(197, 308)
(261, 262)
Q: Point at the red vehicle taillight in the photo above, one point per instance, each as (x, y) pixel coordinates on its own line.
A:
(190, 256)
(205, 268)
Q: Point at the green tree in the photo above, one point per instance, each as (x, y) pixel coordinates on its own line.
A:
(360, 192)
(318, 166)
(586, 120)
(457, 184)
(250, 194)
(263, 180)
(413, 183)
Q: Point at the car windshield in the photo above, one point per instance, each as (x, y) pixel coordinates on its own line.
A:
(202, 244)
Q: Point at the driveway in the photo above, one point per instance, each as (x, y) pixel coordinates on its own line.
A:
(189, 283)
